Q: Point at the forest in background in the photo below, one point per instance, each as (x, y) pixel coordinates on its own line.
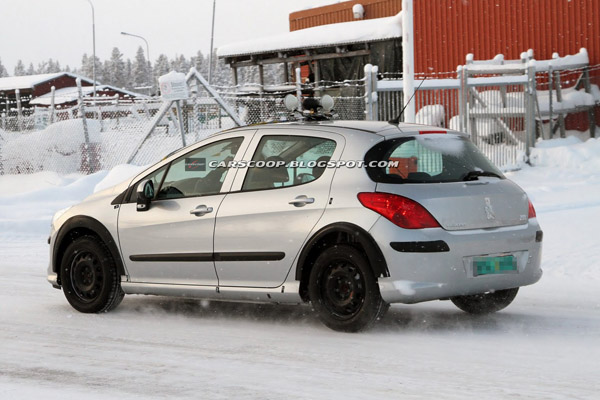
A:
(133, 74)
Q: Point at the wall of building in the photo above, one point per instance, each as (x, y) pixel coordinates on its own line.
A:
(342, 12)
(446, 30)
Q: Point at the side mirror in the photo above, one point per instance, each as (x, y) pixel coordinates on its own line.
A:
(145, 194)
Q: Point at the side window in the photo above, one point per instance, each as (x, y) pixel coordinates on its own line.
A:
(281, 161)
(201, 172)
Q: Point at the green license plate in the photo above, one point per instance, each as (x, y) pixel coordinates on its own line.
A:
(494, 265)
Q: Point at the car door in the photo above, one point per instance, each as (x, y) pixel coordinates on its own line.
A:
(172, 242)
(269, 213)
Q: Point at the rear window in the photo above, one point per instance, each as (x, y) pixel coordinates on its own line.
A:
(428, 159)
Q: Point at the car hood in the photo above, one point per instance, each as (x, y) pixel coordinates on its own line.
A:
(111, 192)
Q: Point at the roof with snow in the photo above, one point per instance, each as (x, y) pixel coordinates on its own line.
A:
(30, 81)
(344, 33)
(70, 94)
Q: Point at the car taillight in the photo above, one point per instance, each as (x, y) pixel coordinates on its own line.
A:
(405, 213)
(531, 210)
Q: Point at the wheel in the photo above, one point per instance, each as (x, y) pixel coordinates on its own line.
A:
(485, 303)
(343, 290)
(89, 276)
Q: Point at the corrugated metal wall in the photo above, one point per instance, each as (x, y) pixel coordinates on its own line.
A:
(446, 30)
(342, 12)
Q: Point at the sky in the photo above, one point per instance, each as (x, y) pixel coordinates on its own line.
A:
(36, 30)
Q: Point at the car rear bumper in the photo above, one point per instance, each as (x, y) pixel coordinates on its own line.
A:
(431, 264)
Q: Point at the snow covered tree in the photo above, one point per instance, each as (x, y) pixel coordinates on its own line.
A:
(30, 70)
(87, 68)
(19, 69)
(114, 70)
(3, 71)
(53, 66)
(140, 69)
(161, 67)
(180, 64)
(198, 61)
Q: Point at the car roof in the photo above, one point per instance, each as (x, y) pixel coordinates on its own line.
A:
(381, 128)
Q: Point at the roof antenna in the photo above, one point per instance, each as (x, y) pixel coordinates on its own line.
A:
(396, 120)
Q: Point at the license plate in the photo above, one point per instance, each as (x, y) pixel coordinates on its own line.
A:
(494, 265)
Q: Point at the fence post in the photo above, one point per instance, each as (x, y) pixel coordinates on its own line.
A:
(462, 98)
(374, 95)
(588, 89)
(87, 148)
(52, 95)
(19, 110)
(299, 87)
(550, 106)
(180, 116)
(369, 92)
(530, 108)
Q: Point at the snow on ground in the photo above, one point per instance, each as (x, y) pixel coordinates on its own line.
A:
(544, 346)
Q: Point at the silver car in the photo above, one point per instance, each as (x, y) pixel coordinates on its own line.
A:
(348, 215)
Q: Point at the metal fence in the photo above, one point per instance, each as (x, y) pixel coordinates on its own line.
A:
(504, 108)
(113, 134)
(503, 113)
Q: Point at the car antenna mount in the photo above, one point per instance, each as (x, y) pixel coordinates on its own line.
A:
(396, 120)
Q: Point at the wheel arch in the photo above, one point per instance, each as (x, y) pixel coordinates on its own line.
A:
(76, 227)
(339, 233)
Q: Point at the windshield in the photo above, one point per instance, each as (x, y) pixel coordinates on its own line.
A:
(431, 158)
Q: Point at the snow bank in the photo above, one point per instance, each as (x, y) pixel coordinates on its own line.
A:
(568, 153)
(30, 212)
(431, 115)
(118, 174)
(56, 148)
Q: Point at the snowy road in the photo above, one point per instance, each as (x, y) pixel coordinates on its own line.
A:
(544, 346)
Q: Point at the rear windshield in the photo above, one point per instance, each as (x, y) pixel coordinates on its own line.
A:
(428, 159)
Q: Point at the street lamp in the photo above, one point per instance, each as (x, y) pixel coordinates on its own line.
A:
(94, 46)
(147, 54)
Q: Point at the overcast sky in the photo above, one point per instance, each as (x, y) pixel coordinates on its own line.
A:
(35, 30)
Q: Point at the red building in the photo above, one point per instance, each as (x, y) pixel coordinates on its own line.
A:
(446, 30)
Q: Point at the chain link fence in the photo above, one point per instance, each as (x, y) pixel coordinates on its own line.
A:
(120, 133)
(114, 133)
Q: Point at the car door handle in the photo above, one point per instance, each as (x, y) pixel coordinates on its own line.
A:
(201, 210)
(302, 200)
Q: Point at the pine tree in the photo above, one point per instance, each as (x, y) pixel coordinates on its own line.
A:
(180, 64)
(30, 70)
(87, 68)
(53, 66)
(19, 69)
(115, 72)
(198, 61)
(140, 69)
(3, 71)
(161, 67)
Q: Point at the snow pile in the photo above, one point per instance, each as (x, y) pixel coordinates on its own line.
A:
(28, 201)
(30, 213)
(431, 115)
(571, 153)
(59, 147)
(320, 36)
(571, 99)
(118, 174)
